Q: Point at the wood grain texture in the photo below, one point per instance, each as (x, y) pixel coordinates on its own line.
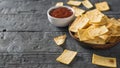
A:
(24, 24)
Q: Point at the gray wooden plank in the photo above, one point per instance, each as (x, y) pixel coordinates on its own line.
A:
(26, 22)
(36, 7)
(30, 22)
(40, 41)
(82, 60)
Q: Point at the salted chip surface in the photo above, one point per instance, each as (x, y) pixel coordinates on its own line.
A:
(102, 6)
(74, 3)
(59, 40)
(95, 16)
(67, 56)
(78, 11)
(104, 61)
(97, 31)
(87, 4)
(82, 22)
(59, 4)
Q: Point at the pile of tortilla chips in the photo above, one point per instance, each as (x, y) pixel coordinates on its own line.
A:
(94, 27)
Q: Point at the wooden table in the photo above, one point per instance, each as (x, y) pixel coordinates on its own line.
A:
(26, 36)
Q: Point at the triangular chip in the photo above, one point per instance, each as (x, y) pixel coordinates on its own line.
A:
(67, 56)
(87, 4)
(78, 11)
(102, 6)
(59, 40)
(59, 4)
(74, 3)
(104, 61)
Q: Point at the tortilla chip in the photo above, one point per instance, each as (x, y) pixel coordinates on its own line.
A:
(118, 19)
(104, 61)
(78, 11)
(82, 35)
(59, 40)
(96, 40)
(74, 3)
(71, 28)
(95, 16)
(59, 4)
(104, 36)
(87, 4)
(97, 31)
(81, 23)
(67, 56)
(102, 6)
(76, 35)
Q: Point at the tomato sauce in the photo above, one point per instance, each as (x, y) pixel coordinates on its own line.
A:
(61, 12)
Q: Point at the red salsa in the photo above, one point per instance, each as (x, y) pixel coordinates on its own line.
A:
(61, 12)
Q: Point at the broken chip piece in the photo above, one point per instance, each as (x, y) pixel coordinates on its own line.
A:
(74, 3)
(59, 4)
(59, 40)
(67, 56)
(104, 61)
(87, 4)
(102, 6)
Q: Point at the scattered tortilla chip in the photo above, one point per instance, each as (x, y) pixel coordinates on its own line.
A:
(102, 6)
(67, 56)
(59, 4)
(82, 22)
(95, 16)
(59, 40)
(87, 4)
(78, 11)
(74, 3)
(104, 61)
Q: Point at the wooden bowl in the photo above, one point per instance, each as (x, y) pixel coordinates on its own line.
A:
(97, 46)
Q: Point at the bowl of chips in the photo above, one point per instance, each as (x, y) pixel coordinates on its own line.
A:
(96, 30)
